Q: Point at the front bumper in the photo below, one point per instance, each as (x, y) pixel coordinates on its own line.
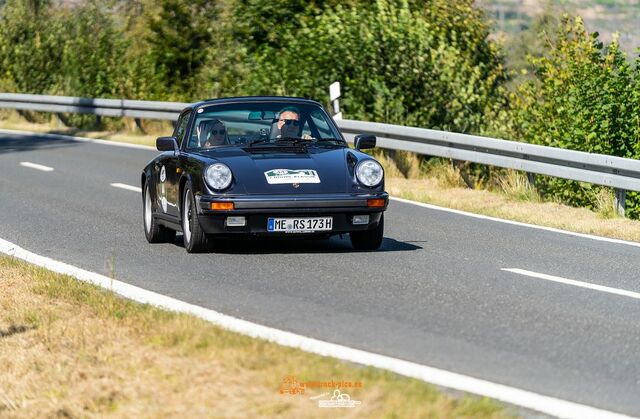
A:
(258, 208)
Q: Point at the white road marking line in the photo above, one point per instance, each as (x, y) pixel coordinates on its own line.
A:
(36, 166)
(127, 187)
(516, 223)
(538, 402)
(573, 282)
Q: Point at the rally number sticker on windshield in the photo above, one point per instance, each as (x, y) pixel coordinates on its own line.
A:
(280, 176)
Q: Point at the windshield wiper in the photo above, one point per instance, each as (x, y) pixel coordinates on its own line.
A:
(279, 141)
(297, 141)
(292, 141)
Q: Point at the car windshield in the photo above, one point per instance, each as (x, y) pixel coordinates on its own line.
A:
(263, 124)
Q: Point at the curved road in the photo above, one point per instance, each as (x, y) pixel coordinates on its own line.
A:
(436, 293)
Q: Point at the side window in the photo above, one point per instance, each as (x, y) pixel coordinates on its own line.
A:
(182, 127)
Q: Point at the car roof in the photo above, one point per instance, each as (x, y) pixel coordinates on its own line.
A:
(252, 99)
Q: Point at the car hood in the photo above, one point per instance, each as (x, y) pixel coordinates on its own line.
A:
(317, 170)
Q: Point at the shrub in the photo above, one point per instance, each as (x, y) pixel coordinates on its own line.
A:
(29, 46)
(583, 96)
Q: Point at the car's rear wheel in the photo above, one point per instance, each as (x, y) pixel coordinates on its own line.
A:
(195, 240)
(370, 239)
(154, 232)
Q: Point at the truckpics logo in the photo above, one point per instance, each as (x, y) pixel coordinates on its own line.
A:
(339, 399)
(291, 386)
(280, 176)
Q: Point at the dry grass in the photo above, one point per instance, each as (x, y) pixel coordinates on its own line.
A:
(444, 173)
(501, 205)
(605, 204)
(69, 349)
(516, 186)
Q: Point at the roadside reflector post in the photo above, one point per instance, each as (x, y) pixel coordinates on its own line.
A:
(334, 97)
(619, 201)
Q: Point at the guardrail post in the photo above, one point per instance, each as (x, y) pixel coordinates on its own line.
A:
(139, 125)
(531, 177)
(619, 200)
(457, 164)
(61, 119)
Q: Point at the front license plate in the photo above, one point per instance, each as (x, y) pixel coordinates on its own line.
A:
(299, 225)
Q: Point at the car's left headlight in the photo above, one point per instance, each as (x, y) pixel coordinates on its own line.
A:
(369, 173)
(218, 176)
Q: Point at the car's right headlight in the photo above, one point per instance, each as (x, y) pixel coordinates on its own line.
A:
(369, 173)
(218, 176)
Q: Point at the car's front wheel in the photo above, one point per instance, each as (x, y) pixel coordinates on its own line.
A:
(370, 239)
(154, 232)
(195, 240)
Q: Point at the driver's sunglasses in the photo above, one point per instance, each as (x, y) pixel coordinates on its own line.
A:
(216, 132)
(293, 122)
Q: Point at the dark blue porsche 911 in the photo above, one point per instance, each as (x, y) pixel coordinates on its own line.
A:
(267, 166)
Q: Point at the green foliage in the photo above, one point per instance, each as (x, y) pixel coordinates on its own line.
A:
(90, 59)
(29, 46)
(416, 63)
(584, 96)
(179, 33)
(259, 24)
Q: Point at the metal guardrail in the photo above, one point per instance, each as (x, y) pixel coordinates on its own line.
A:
(622, 174)
(141, 109)
(619, 173)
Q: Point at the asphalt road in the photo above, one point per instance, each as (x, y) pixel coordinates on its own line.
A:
(434, 294)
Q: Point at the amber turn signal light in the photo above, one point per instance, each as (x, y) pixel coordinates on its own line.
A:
(375, 202)
(222, 206)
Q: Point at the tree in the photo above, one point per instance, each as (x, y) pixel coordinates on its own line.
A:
(179, 34)
(90, 63)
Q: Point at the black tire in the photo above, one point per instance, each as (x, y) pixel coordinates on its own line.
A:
(195, 240)
(154, 232)
(370, 239)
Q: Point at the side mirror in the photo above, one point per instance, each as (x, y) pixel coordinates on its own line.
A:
(167, 144)
(363, 141)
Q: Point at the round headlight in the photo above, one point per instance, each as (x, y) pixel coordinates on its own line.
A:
(369, 173)
(218, 176)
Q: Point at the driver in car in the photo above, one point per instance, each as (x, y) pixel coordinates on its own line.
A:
(289, 123)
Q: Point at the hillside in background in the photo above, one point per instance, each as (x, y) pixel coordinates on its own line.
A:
(512, 17)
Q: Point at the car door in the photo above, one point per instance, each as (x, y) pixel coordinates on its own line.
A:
(168, 176)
